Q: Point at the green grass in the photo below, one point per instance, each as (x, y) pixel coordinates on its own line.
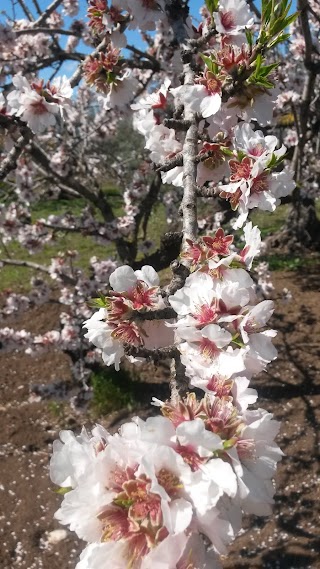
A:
(278, 262)
(112, 391)
(270, 222)
(18, 278)
(57, 409)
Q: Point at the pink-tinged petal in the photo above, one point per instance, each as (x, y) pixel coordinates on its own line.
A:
(123, 279)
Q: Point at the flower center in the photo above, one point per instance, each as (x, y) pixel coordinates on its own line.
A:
(260, 184)
(227, 20)
(135, 514)
(206, 313)
(213, 85)
(128, 332)
(208, 349)
(190, 456)
(219, 386)
(257, 150)
(240, 170)
(246, 448)
(39, 108)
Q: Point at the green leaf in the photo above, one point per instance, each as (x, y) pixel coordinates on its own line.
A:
(241, 155)
(63, 490)
(280, 39)
(258, 63)
(211, 65)
(226, 151)
(212, 5)
(100, 302)
(266, 11)
(249, 36)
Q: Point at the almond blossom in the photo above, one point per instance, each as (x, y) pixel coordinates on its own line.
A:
(233, 17)
(112, 327)
(204, 98)
(38, 104)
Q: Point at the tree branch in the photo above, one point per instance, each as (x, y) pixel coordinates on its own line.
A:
(10, 161)
(167, 313)
(254, 9)
(50, 31)
(151, 355)
(48, 11)
(26, 10)
(189, 153)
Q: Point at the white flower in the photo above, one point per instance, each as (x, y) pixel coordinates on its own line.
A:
(199, 98)
(233, 16)
(255, 318)
(34, 110)
(100, 334)
(254, 460)
(254, 143)
(242, 394)
(125, 278)
(121, 92)
(38, 104)
(73, 455)
(252, 237)
(154, 100)
(145, 15)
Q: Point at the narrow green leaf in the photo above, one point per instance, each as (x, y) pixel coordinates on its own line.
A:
(211, 65)
(212, 5)
(62, 491)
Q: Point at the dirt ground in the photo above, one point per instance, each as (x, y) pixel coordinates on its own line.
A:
(290, 389)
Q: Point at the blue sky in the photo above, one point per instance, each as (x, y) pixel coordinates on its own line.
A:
(68, 67)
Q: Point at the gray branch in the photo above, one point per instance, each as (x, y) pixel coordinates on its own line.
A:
(51, 8)
(10, 161)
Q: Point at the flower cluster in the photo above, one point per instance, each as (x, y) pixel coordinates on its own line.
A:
(245, 156)
(133, 293)
(142, 497)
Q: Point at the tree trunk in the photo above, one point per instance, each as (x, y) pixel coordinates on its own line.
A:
(302, 229)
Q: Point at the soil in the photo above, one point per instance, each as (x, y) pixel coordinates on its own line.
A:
(290, 389)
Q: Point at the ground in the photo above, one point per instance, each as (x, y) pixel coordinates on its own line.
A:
(290, 389)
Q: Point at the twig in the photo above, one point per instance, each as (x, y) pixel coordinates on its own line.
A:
(167, 313)
(170, 164)
(26, 10)
(206, 192)
(27, 264)
(51, 31)
(53, 6)
(37, 7)
(153, 355)
(180, 273)
(254, 8)
(189, 152)
(177, 124)
(204, 39)
(10, 161)
(145, 55)
(98, 200)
